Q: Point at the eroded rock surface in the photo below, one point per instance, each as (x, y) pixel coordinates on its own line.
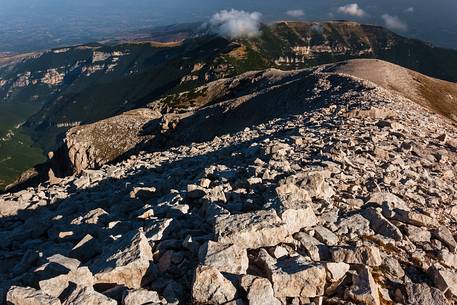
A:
(347, 195)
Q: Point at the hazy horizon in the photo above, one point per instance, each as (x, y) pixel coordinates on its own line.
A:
(37, 24)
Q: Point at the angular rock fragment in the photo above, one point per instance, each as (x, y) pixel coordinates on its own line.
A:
(445, 280)
(126, 262)
(296, 277)
(29, 296)
(326, 236)
(140, 297)
(54, 286)
(86, 248)
(251, 230)
(366, 255)
(87, 295)
(211, 287)
(225, 258)
(364, 288)
(444, 235)
(381, 225)
(423, 294)
(259, 291)
(414, 218)
(336, 271)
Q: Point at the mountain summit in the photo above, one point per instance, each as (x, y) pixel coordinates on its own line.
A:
(325, 185)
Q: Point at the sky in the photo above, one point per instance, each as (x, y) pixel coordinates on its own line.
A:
(35, 24)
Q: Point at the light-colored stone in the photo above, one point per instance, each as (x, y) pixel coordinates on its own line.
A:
(364, 288)
(211, 287)
(140, 297)
(251, 230)
(259, 291)
(225, 258)
(336, 271)
(54, 286)
(296, 277)
(125, 262)
(87, 295)
(367, 255)
(29, 296)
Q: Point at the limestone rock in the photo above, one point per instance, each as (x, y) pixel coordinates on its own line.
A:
(364, 288)
(368, 255)
(126, 262)
(251, 230)
(54, 286)
(295, 277)
(424, 295)
(225, 258)
(381, 225)
(140, 297)
(87, 295)
(210, 287)
(336, 271)
(259, 291)
(326, 236)
(29, 296)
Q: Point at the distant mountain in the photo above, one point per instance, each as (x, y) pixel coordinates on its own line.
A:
(86, 83)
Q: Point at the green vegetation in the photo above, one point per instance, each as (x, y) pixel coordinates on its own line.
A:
(17, 152)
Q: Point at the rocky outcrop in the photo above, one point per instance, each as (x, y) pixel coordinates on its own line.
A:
(91, 146)
(327, 202)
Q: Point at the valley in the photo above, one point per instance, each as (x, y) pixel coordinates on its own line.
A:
(17, 150)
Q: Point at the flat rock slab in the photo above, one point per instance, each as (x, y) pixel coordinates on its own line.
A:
(126, 262)
(296, 277)
(251, 230)
(29, 296)
(226, 258)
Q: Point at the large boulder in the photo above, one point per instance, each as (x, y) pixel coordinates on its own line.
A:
(126, 262)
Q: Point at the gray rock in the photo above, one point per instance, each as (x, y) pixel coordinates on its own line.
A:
(326, 236)
(445, 280)
(86, 248)
(418, 234)
(364, 288)
(29, 296)
(392, 267)
(126, 262)
(381, 225)
(54, 286)
(296, 277)
(225, 258)
(210, 287)
(259, 290)
(424, 295)
(87, 295)
(336, 271)
(251, 230)
(367, 255)
(444, 235)
(140, 297)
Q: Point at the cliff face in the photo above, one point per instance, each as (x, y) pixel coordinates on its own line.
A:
(310, 186)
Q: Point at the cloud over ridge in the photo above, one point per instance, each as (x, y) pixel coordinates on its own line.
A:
(236, 24)
(394, 23)
(352, 9)
(295, 13)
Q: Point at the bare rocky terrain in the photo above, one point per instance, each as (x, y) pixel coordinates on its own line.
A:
(305, 187)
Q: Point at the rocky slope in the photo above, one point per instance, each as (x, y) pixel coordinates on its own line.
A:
(345, 194)
(91, 82)
(228, 105)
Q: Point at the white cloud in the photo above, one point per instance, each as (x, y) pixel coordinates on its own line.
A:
(235, 24)
(394, 23)
(295, 13)
(352, 9)
(410, 10)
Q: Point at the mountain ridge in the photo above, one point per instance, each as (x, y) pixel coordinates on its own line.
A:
(345, 194)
